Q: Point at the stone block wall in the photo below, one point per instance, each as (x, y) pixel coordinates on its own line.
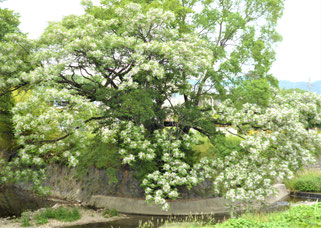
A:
(67, 183)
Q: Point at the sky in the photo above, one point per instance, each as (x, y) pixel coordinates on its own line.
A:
(298, 56)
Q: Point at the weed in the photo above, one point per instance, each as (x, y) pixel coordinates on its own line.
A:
(109, 213)
(308, 181)
(61, 213)
(186, 222)
(295, 217)
(299, 216)
(25, 219)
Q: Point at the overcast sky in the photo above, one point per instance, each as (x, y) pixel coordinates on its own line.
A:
(298, 55)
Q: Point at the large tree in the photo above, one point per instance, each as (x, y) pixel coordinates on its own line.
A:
(119, 68)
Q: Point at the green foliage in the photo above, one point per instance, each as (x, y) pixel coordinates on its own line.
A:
(61, 213)
(309, 185)
(203, 146)
(8, 22)
(143, 168)
(219, 146)
(295, 217)
(12, 63)
(291, 91)
(138, 105)
(255, 91)
(41, 217)
(102, 156)
(110, 212)
(308, 181)
(6, 131)
(25, 219)
(111, 172)
(240, 222)
(191, 221)
(180, 10)
(224, 145)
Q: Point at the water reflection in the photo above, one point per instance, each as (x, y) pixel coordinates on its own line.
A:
(153, 221)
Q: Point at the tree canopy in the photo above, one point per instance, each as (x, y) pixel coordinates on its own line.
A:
(8, 24)
(119, 69)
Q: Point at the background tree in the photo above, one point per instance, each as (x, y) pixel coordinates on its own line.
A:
(253, 91)
(8, 24)
(15, 61)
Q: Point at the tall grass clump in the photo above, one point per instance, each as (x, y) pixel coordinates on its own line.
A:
(63, 214)
(307, 181)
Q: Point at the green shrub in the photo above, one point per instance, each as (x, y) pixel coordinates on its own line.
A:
(6, 127)
(61, 213)
(109, 213)
(308, 185)
(240, 222)
(308, 181)
(25, 219)
(101, 156)
(224, 145)
(295, 217)
(204, 144)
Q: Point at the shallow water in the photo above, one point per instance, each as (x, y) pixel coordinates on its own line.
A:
(153, 221)
(157, 221)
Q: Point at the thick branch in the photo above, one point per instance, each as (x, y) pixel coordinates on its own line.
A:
(68, 134)
(175, 124)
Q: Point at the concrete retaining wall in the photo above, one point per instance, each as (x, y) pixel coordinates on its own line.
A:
(66, 183)
(126, 196)
(179, 207)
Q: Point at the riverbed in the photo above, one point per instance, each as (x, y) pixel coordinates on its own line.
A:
(14, 201)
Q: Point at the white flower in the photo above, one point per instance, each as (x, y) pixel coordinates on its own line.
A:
(128, 159)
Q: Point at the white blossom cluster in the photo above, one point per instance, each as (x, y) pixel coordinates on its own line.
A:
(132, 141)
(14, 60)
(277, 143)
(148, 43)
(162, 184)
(38, 124)
(10, 174)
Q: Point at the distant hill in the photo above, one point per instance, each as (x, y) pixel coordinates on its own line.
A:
(315, 86)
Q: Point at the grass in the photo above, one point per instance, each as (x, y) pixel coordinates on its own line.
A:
(186, 222)
(61, 213)
(295, 217)
(109, 213)
(307, 181)
(25, 219)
